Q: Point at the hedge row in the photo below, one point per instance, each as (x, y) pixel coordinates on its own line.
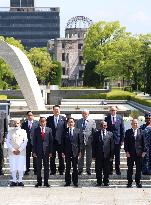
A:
(3, 97)
(117, 95)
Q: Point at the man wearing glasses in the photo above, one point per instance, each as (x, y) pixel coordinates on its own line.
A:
(116, 126)
(29, 125)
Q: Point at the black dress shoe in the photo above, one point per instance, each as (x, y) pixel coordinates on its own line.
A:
(139, 185)
(80, 172)
(26, 172)
(1, 173)
(88, 173)
(111, 173)
(52, 173)
(76, 185)
(47, 185)
(118, 173)
(20, 184)
(67, 184)
(38, 184)
(98, 184)
(12, 184)
(106, 184)
(61, 173)
(129, 185)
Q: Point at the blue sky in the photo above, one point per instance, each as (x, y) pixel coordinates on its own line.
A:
(134, 14)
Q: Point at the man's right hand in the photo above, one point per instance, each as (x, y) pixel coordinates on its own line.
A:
(34, 155)
(128, 154)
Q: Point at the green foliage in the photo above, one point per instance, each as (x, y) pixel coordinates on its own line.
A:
(148, 76)
(7, 79)
(91, 78)
(119, 95)
(118, 54)
(3, 97)
(56, 73)
(141, 101)
(128, 88)
(92, 96)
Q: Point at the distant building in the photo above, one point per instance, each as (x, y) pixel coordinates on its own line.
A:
(33, 26)
(69, 51)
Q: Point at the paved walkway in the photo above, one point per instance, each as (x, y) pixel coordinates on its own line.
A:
(74, 196)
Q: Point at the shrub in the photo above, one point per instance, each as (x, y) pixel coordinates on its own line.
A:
(3, 97)
(128, 88)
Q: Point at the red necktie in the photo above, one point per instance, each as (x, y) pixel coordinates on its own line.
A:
(42, 133)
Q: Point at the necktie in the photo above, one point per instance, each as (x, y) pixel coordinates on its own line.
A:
(103, 133)
(56, 120)
(83, 124)
(113, 121)
(70, 134)
(30, 125)
(135, 133)
(42, 134)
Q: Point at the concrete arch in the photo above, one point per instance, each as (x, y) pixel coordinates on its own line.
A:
(24, 74)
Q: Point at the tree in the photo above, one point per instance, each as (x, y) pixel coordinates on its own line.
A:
(46, 70)
(7, 79)
(118, 54)
(91, 78)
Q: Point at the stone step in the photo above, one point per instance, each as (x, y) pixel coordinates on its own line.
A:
(82, 182)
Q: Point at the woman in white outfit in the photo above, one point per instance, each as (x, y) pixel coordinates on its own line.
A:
(16, 143)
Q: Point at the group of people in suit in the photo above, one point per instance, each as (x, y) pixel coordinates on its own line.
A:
(71, 141)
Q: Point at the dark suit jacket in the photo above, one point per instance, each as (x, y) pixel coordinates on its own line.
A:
(103, 148)
(59, 130)
(73, 146)
(134, 146)
(30, 133)
(42, 146)
(117, 129)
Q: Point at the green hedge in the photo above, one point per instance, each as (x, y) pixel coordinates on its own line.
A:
(119, 95)
(141, 101)
(113, 95)
(3, 97)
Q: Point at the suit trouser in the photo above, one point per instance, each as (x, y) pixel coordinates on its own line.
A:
(57, 148)
(88, 150)
(74, 160)
(28, 155)
(146, 162)
(1, 157)
(102, 165)
(117, 148)
(130, 164)
(45, 159)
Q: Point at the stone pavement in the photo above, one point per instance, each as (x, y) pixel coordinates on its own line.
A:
(74, 196)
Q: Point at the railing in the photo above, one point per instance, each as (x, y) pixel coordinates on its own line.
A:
(37, 9)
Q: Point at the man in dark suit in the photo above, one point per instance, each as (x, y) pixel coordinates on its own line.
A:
(116, 126)
(135, 149)
(29, 125)
(102, 153)
(72, 150)
(42, 150)
(146, 162)
(3, 133)
(58, 125)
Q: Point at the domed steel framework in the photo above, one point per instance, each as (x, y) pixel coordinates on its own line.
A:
(79, 22)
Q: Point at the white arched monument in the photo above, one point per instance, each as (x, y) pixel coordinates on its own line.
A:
(24, 74)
